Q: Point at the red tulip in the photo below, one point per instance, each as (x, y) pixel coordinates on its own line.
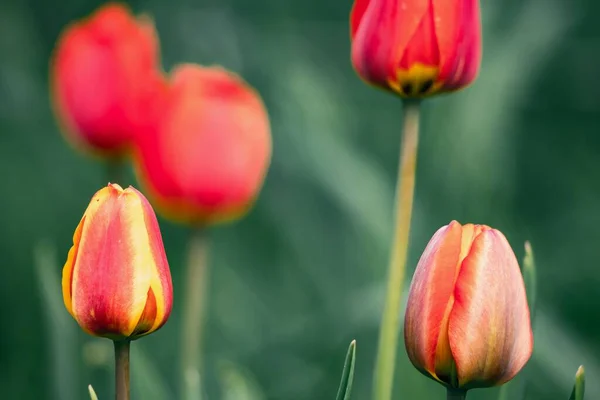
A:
(116, 281)
(416, 48)
(206, 160)
(467, 320)
(104, 75)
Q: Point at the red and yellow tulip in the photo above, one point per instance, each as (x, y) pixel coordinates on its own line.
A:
(116, 281)
(206, 160)
(416, 48)
(467, 321)
(104, 74)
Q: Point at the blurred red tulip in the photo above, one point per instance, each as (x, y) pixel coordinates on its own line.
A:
(104, 74)
(416, 48)
(467, 320)
(207, 158)
(116, 281)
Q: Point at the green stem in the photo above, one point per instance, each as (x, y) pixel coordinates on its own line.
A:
(388, 334)
(193, 315)
(122, 369)
(455, 394)
(503, 394)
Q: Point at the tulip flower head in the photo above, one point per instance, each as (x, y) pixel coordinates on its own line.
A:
(116, 281)
(104, 74)
(416, 48)
(207, 158)
(467, 321)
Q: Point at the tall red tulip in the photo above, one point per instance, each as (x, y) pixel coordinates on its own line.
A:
(416, 48)
(467, 320)
(206, 160)
(104, 74)
(116, 281)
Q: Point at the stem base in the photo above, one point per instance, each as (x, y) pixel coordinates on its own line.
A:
(456, 394)
(122, 369)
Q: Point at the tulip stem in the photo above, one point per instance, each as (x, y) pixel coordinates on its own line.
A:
(388, 334)
(453, 394)
(193, 315)
(122, 369)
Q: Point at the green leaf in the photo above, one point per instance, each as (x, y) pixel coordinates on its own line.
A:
(348, 373)
(146, 379)
(237, 383)
(579, 386)
(61, 330)
(93, 395)
(529, 276)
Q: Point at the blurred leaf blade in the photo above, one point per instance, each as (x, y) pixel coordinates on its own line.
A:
(530, 278)
(62, 332)
(146, 380)
(93, 395)
(345, 389)
(238, 384)
(579, 386)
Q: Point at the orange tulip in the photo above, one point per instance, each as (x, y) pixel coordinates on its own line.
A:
(207, 159)
(467, 320)
(104, 74)
(116, 281)
(416, 48)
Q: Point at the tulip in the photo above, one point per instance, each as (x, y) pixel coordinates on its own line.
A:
(467, 321)
(116, 281)
(416, 48)
(206, 160)
(104, 76)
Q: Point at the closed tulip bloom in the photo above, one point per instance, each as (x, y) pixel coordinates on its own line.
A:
(207, 159)
(116, 281)
(104, 74)
(416, 48)
(467, 320)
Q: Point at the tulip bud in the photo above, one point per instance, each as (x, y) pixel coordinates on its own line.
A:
(467, 321)
(416, 48)
(104, 74)
(206, 160)
(116, 281)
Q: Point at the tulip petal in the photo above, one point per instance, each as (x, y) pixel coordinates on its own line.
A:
(471, 48)
(422, 48)
(148, 317)
(382, 35)
(222, 107)
(209, 157)
(430, 293)
(102, 74)
(416, 74)
(458, 28)
(111, 275)
(67, 274)
(358, 9)
(160, 284)
(490, 340)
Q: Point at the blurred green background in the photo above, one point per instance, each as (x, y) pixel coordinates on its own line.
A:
(293, 283)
